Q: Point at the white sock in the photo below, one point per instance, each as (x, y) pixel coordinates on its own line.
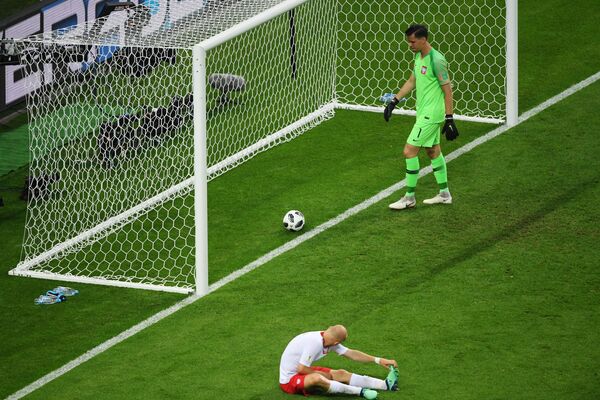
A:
(367, 382)
(338, 387)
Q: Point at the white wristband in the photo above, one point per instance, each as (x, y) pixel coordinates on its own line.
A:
(377, 359)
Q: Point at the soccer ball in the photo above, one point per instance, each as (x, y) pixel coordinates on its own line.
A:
(293, 220)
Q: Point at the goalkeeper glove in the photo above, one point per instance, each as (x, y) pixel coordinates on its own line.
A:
(449, 128)
(387, 113)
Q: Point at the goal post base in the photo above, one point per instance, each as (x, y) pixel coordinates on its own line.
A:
(97, 281)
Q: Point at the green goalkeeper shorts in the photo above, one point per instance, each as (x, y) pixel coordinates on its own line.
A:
(424, 135)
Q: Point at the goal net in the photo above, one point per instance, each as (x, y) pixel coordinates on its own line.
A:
(373, 57)
(135, 111)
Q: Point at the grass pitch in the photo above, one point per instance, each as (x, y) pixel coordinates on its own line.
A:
(492, 297)
(495, 296)
(503, 280)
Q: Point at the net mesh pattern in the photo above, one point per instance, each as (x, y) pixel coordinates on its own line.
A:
(373, 57)
(112, 134)
(111, 121)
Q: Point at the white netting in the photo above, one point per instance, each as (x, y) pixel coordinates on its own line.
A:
(174, 24)
(112, 142)
(105, 138)
(111, 135)
(373, 57)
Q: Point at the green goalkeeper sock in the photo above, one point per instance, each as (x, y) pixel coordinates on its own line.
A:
(439, 170)
(412, 175)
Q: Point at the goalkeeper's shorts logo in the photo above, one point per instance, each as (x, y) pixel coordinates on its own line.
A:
(423, 70)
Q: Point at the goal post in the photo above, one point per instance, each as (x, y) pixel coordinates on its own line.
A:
(136, 112)
(200, 171)
(200, 126)
(512, 62)
(137, 130)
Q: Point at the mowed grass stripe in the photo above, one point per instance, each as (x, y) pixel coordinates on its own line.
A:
(557, 98)
(509, 315)
(104, 312)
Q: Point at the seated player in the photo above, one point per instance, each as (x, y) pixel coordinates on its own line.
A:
(297, 376)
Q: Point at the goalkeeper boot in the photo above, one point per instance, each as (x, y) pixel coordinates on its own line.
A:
(440, 198)
(368, 394)
(405, 202)
(392, 379)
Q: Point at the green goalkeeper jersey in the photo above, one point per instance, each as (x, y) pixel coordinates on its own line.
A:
(431, 72)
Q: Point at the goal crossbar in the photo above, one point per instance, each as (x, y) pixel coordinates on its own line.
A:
(334, 95)
(250, 23)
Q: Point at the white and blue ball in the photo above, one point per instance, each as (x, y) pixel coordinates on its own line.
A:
(293, 220)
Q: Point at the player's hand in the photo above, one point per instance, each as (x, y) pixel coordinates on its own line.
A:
(449, 128)
(387, 113)
(384, 362)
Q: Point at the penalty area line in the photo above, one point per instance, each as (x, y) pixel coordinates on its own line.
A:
(291, 244)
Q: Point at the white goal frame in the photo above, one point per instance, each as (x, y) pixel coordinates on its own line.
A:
(201, 170)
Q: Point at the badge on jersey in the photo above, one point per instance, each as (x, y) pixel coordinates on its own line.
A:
(423, 70)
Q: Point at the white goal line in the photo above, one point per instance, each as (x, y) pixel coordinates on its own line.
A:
(290, 245)
(401, 111)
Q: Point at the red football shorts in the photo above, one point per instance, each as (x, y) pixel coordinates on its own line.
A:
(296, 383)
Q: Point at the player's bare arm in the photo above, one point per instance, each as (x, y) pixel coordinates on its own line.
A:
(298, 376)
(356, 355)
(408, 87)
(448, 99)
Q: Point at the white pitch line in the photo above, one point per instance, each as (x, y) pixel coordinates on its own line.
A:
(290, 245)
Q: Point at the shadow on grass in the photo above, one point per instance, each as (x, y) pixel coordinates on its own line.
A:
(507, 232)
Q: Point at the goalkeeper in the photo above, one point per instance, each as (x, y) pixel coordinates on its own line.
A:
(434, 100)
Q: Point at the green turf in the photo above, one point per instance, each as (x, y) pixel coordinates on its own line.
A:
(60, 333)
(238, 236)
(14, 147)
(497, 300)
(509, 311)
(547, 58)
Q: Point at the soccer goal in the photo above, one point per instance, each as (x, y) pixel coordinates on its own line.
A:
(135, 112)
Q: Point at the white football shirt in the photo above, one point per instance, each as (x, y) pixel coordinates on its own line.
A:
(304, 349)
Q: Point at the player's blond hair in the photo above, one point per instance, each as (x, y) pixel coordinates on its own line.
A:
(338, 332)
